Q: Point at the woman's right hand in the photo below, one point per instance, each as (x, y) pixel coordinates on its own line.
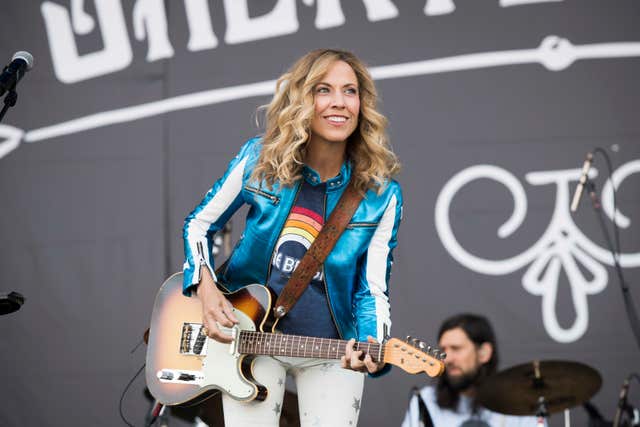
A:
(215, 308)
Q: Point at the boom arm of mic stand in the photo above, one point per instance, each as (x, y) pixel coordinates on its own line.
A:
(628, 300)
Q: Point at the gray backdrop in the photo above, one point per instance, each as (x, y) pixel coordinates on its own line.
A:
(97, 173)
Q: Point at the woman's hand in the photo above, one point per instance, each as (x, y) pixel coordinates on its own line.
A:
(215, 308)
(353, 359)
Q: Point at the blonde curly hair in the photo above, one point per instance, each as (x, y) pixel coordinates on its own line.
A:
(288, 121)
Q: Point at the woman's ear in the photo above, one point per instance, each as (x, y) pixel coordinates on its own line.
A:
(485, 351)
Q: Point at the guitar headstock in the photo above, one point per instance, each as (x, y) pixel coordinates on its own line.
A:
(414, 356)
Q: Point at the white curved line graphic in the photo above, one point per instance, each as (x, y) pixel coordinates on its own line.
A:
(554, 53)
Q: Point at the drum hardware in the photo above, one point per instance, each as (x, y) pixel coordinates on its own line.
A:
(539, 388)
(626, 415)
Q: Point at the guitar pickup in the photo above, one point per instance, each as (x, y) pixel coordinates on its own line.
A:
(175, 376)
(193, 342)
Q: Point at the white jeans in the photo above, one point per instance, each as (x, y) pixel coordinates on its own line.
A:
(328, 396)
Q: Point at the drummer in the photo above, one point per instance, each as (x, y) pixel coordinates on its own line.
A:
(472, 356)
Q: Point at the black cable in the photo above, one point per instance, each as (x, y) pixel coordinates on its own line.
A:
(616, 230)
(133, 350)
(615, 252)
(125, 392)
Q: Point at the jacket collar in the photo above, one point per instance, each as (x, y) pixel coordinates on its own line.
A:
(333, 184)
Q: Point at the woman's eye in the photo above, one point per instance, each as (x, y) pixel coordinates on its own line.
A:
(322, 89)
(352, 91)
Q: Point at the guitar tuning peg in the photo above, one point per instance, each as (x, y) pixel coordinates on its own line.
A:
(428, 350)
(442, 356)
(415, 342)
(422, 345)
(436, 353)
(408, 338)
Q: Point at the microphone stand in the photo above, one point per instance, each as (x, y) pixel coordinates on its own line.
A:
(9, 100)
(628, 300)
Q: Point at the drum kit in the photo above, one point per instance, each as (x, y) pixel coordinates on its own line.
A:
(542, 388)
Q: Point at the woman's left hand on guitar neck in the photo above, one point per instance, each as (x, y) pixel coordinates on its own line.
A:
(353, 359)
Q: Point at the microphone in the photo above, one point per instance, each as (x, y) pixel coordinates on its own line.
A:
(581, 183)
(622, 402)
(20, 63)
(10, 302)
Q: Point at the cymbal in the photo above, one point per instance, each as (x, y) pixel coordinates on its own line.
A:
(516, 391)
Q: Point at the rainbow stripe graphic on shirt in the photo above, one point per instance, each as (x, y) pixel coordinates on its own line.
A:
(302, 226)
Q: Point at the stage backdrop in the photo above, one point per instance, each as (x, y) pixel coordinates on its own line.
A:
(134, 108)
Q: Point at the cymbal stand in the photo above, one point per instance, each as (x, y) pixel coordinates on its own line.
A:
(538, 382)
(541, 413)
(567, 418)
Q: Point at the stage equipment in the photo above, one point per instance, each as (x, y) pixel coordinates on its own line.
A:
(584, 176)
(632, 313)
(10, 302)
(539, 388)
(626, 415)
(21, 62)
(11, 75)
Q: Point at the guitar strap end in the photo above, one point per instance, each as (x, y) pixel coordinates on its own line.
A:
(279, 312)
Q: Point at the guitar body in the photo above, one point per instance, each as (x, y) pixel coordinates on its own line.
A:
(183, 367)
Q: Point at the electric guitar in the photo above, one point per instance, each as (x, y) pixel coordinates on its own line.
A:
(185, 367)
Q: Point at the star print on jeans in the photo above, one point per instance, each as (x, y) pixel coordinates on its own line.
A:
(356, 404)
(276, 408)
(280, 382)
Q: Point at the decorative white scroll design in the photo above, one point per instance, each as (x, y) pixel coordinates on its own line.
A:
(561, 246)
(555, 53)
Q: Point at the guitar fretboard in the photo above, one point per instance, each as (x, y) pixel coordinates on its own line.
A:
(252, 342)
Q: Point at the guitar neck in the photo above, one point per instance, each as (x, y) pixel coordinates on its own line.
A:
(252, 342)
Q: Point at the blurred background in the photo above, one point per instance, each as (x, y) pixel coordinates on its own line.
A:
(133, 109)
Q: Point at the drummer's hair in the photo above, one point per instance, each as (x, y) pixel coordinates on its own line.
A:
(479, 331)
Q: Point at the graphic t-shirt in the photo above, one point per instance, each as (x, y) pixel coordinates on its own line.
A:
(311, 315)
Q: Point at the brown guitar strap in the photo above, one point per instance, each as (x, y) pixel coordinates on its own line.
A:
(323, 244)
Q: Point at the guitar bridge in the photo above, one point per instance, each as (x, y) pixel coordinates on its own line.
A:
(193, 342)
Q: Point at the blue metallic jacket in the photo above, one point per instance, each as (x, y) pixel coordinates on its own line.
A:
(357, 269)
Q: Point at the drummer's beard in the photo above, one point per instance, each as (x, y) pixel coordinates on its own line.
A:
(462, 382)
(449, 388)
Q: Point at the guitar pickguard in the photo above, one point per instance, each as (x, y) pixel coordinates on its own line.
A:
(221, 365)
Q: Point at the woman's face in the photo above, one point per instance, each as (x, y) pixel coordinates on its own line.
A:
(337, 104)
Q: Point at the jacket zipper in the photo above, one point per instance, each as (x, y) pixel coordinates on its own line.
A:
(324, 278)
(201, 260)
(362, 225)
(274, 199)
(203, 264)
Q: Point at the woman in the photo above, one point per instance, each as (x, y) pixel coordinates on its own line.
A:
(322, 131)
